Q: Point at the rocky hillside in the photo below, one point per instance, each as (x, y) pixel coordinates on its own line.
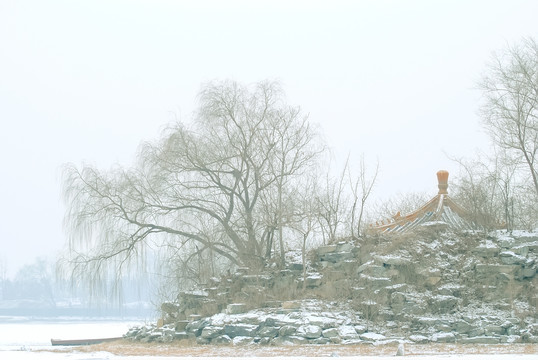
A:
(429, 286)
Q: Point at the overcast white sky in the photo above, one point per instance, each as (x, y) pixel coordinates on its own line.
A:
(87, 81)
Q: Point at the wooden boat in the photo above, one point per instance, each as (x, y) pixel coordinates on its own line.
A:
(78, 342)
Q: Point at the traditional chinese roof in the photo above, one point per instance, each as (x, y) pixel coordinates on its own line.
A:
(441, 209)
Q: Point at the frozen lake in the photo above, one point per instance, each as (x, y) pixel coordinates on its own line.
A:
(22, 332)
(29, 339)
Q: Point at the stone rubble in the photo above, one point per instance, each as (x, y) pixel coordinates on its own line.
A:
(432, 286)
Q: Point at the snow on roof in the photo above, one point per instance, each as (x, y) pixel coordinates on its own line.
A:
(440, 212)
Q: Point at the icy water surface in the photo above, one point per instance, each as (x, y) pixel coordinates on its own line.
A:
(27, 338)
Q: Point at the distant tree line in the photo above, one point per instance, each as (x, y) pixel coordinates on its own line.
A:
(35, 289)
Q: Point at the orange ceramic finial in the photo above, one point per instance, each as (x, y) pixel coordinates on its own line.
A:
(442, 178)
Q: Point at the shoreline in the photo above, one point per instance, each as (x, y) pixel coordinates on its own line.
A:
(188, 349)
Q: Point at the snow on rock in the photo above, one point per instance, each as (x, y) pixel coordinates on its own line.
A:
(242, 340)
(330, 333)
(445, 337)
(236, 308)
(347, 332)
(511, 258)
(324, 322)
(210, 332)
(235, 330)
(370, 336)
(393, 259)
(309, 331)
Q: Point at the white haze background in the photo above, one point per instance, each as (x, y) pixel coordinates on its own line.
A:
(87, 81)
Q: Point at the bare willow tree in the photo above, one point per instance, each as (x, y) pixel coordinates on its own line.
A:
(201, 187)
(361, 186)
(510, 108)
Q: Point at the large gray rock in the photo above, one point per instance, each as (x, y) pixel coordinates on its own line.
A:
(330, 333)
(295, 266)
(242, 340)
(323, 322)
(221, 340)
(345, 246)
(210, 332)
(309, 331)
(268, 331)
(287, 330)
(533, 339)
(347, 332)
(290, 340)
(197, 325)
(476, 332)
(240, 330)
(419, 339)
(511, 258)
(480, 340)
(397, 301)
(182, 335)
(445, 337)
(426, 322)
(522, 250)
(337, 257)
(320, 341)
(491, 330)
(371, 336)
(510, 339)
(272, 322)
(202, 341)
(181, 325)
(487, 270)
(393, 260)
(313, 281)
(375, 283)
(360, 329)
(236, 309)
(322, 250)
(527, 273)
(443, 303)
(291, 305)
(372, 270)
(462, 327)
(486, 250)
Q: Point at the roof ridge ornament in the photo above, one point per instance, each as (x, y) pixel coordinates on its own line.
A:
(442, 178)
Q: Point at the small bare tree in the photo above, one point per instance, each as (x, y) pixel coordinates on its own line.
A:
(401, 203)
(477, 190)
(305, 219)
(496, 192)
(332, 204)
(361, 188)
(510, 108)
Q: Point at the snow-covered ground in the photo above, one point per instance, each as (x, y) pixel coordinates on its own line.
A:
(25, 355)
